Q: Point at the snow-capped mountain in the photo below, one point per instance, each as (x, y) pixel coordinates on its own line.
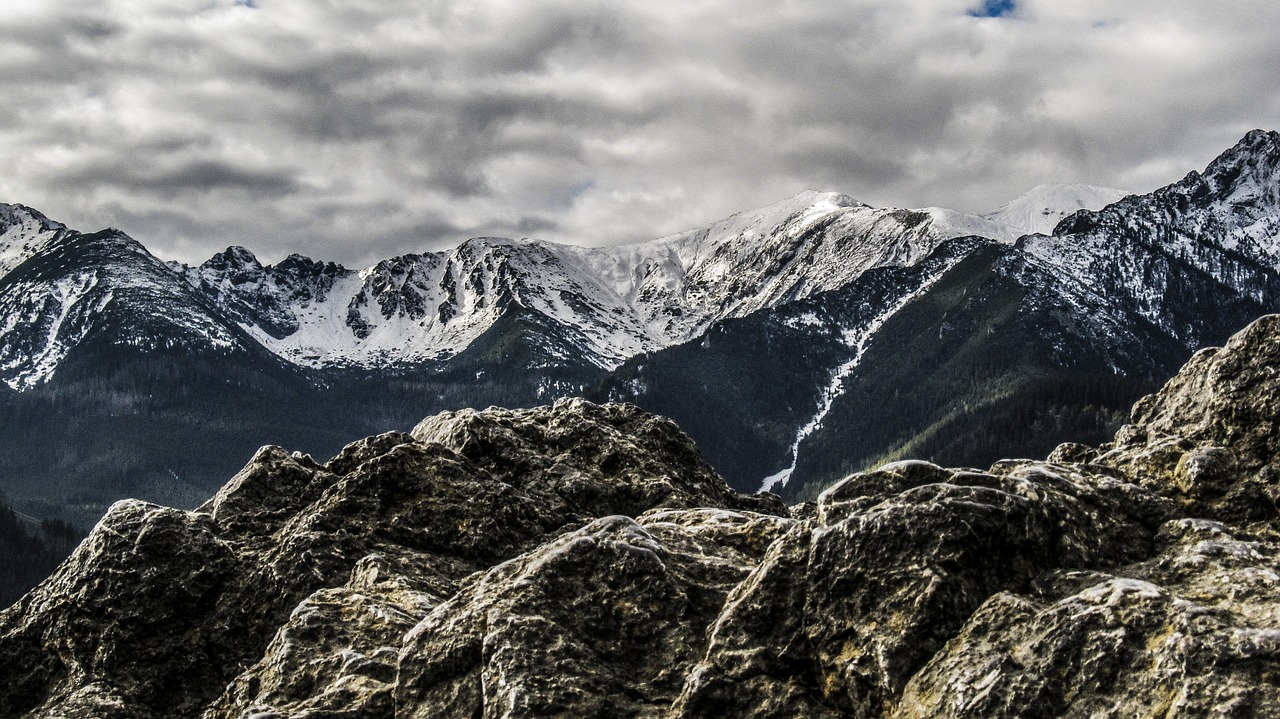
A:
(612, 302)
(1141, 256)
(772, 336)
(1040, 209)
(619, 301)
(1061, 331)
(24, 232)
(70, 288)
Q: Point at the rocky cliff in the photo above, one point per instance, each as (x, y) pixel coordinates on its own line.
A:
(582, 560)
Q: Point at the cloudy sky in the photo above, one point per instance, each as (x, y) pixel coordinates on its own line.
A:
(352, 130)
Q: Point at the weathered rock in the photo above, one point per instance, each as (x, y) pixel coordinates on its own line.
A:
(145, 592)
(1211, 436)
(160, 609)
(604, 621)
(1192, 632)
(620, 462)
(891, 566)
(337, 654)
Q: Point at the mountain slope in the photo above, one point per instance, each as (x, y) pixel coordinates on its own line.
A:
(620, 301)
(748, 386)
(23, 232)
(1145, 255)
(1012, 349)
(408, 311)
(102, 287)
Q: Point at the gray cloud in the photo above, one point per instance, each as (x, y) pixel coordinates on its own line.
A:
(355, 131)
(203, 176)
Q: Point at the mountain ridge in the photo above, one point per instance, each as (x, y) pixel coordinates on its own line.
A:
(627, 300)
(1061, 332)
(1112, 294)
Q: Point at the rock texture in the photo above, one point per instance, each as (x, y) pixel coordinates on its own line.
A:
(582, 560)
(301, 577)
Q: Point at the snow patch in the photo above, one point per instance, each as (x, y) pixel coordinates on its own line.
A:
(59, 300)
(855, 339)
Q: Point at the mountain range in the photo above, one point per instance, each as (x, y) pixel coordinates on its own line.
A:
(796, 343)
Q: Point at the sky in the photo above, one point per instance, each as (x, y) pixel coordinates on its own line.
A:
(354, 131)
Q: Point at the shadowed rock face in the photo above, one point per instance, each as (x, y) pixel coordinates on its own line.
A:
(582, 560)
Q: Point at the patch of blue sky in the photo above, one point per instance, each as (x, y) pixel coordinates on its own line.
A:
(995, 8)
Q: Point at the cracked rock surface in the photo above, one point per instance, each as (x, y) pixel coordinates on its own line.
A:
(583, 561)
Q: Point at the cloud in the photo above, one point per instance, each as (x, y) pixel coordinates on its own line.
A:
(204, 176)
(352, 131)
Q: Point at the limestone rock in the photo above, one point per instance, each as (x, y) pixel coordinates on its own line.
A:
(145, 590)
(337, 654)
(892, 565)
(1191, 632)
(604, 621)
(620, 462)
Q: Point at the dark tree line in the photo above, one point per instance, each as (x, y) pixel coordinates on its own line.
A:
(30, 553)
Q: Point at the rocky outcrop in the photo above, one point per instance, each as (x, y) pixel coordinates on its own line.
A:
(890, 567)
(1211, 437)
(297, 576)
(582, 560)
(604, 621)
(1190, 632)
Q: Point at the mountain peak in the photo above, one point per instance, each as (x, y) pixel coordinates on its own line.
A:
(1040, 209)
(23, 231)
(837, 199)
(1249, 171)
(1261, 138)
(234, 257)
(301, 264)
(19, 214)
(809, 201)
(1257, 147)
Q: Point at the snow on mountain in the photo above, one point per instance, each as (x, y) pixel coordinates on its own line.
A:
(1135, 257)
(273, 300)
(810, 243)
(41, 313)
(856, 339)
(412, 308)
(613, 303)
(23, 232)
(1040, 209)
(1244, 183)
(950, 223)
(619, 301)
(74, 285)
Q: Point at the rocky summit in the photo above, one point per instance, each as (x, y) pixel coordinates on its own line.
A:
(582, 560)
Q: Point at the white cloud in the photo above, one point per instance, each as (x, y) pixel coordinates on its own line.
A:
(355, 131)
